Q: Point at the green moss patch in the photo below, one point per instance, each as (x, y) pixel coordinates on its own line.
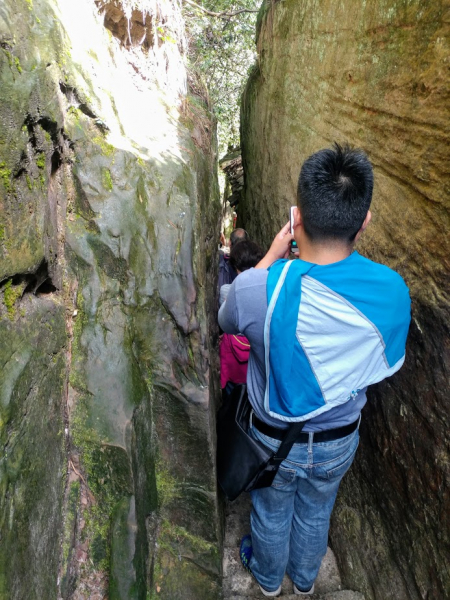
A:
(5, 176)
(184, 567)
(107, 149)
(108, 476)
(32, 468)
(13, 61)
(11, 294)
(40, 160)
(18, 65)
(167, 486)
(107, 179)
(68, 540)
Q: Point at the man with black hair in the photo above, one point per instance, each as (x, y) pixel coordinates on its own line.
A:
(321, 329)
(243, 256)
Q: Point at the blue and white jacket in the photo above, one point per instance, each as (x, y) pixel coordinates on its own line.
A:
(330, 331)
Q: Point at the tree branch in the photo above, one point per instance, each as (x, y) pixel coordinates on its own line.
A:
(220, 15)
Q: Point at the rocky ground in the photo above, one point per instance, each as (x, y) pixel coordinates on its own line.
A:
(239, 585)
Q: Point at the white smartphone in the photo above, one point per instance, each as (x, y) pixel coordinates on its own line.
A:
(294, 247)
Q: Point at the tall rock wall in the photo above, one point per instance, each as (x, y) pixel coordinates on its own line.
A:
(375, 74)
(108, 204)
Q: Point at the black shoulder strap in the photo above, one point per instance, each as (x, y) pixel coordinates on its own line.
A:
(288, 441)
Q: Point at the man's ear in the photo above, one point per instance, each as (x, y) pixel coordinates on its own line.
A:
(364, 225)
(297, 217)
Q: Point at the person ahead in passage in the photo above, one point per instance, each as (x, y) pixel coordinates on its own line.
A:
(234, 349)
(321, 328)
(227, 274)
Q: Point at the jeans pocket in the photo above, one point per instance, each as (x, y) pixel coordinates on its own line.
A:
(283, 478)
(338, 466)
(341, 469)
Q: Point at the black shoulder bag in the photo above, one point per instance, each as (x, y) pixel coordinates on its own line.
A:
(245, 464)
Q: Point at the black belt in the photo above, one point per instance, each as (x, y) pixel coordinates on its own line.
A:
(303, 438)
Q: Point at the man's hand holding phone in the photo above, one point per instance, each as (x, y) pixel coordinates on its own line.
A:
(280, 248)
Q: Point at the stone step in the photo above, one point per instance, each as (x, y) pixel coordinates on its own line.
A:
(240, 585)
(340, 595)
(237, 582)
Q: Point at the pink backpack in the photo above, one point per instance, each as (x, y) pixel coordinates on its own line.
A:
(234, 351)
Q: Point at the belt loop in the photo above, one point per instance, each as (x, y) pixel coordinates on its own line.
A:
(310, 441)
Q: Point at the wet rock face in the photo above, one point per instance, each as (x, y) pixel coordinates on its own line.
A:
(108, 203)
(32, 359)
(372, 74)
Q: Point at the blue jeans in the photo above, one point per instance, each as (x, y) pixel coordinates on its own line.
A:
(290, 519)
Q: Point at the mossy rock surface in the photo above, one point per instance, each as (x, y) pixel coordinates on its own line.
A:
(33, 465)
(108, 224)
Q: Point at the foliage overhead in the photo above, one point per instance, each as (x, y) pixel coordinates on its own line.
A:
(222, 49)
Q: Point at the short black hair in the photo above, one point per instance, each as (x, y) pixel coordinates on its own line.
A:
(245, 255)
(238, 235)
(334, 193)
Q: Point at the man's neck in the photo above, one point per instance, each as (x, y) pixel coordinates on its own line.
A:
(323, 253)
